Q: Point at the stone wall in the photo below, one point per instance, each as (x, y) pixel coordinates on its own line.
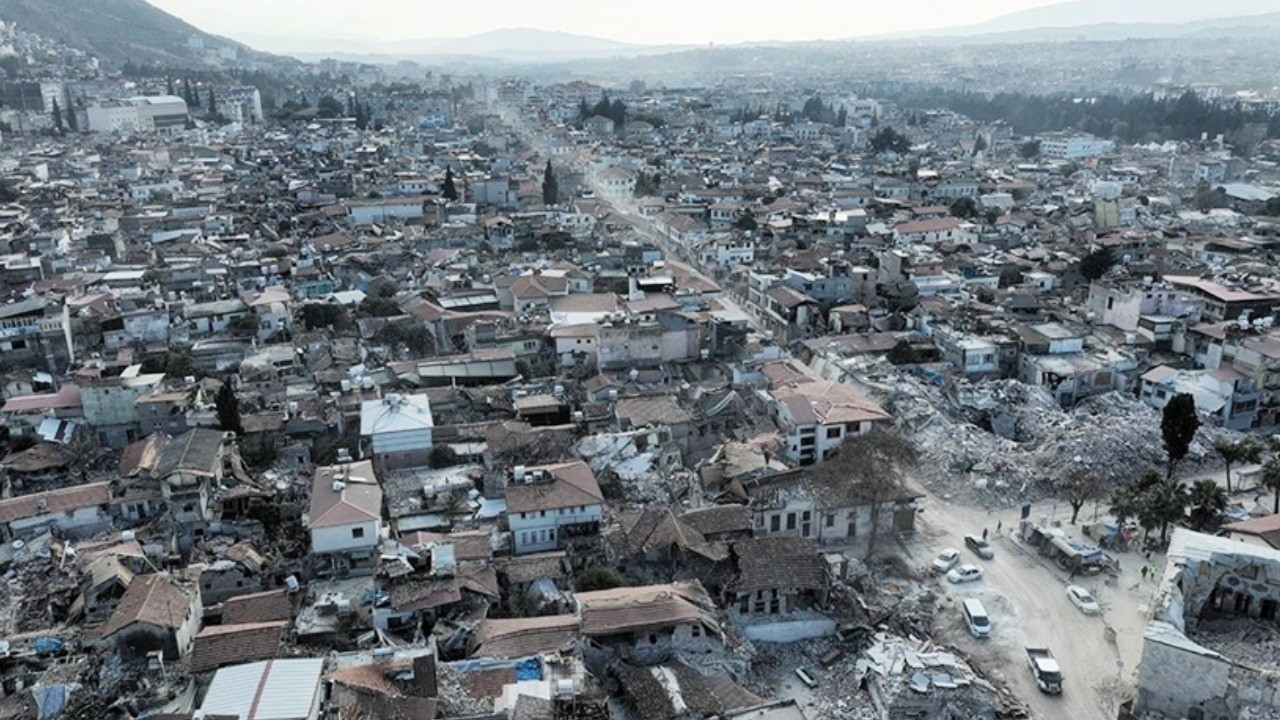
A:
(1174, 679)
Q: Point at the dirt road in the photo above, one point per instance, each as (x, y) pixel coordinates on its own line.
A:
(1028, 606)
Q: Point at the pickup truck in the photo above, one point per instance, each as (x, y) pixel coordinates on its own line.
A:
(1045, 669)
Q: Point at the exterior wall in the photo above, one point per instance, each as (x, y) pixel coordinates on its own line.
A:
(566, 347)
(82, 522)
(540, 530)
(369, 214)
(827, 525)
(217, 585)
(790, 631)
(1163, 686)
(340, 538)
(403, 441)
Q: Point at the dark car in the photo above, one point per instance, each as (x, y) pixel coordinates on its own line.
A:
(980, 547)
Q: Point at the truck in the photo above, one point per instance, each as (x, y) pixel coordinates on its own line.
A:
(1045, 670)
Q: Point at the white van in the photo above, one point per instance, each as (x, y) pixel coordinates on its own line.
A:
(975, 616)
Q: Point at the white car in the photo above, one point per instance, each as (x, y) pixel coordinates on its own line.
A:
(965, 573)
(946, 560)
(1082, 600)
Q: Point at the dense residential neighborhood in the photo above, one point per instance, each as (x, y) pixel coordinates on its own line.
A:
(350, 390)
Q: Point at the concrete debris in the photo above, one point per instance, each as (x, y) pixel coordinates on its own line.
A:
(1008, 442)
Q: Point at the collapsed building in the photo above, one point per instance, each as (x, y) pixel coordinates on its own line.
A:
(1216, 618)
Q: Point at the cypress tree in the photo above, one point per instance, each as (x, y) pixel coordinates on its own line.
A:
(450, 191)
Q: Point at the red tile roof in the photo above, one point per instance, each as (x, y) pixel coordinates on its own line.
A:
(226, 644)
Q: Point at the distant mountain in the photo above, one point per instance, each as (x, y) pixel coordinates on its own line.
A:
(116, 31)
(1078, 13)
(510, 44)
(529, 41)
(1252, 26)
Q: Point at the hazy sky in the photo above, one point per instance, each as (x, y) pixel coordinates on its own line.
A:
(649, 21)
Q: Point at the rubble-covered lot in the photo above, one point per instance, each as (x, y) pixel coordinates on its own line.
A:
(1004, 442)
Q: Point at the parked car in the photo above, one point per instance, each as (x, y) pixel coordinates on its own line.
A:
(946, 560)
(980, 547)
(1083, 601)
(964, 574)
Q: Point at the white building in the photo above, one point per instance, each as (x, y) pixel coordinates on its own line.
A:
(73, 511)
(726, 252)
(345, 516)
(549, 505)
(158, 113)
(817, 415)
(1074, 147)
(617, 184)
(383, 210)
(241, 104)
(396, 431)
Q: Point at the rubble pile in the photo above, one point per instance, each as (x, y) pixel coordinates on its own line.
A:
(1254, 643)
(1008, 442)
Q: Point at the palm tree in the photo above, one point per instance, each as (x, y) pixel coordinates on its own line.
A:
(1236, 452)
(1271, 480)
(1208, 500)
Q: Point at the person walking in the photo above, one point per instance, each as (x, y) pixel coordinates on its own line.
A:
(1144, 573)
(984, 533)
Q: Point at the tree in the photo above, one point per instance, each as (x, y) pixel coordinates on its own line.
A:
(1271, 480)
(903, 353)
(889, 140)
(1162, 503)
(213, 103)
(189, 95)
(550, 186)
(1207, 500)
(872, 468)
(72, 122)
(598, 577)
(227, 408)
(441, 456)
(1242, 451)
(57, 119)
(329, 107)
(383, 287)
(980, 144)
(1178, 427)
(450, 190)
(373, 306)
(1030, 150)
(965, 208)
(1096, 264)
(324, 315)
(1124, 502)
(746, 221)
(1078, 488)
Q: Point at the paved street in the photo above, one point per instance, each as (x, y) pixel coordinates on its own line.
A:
(1028, 606)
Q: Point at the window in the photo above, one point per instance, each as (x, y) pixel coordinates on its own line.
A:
(791, 521)
(696, 631)
(774, 523)
(831, 520)
(357, 533)
(833, 432)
